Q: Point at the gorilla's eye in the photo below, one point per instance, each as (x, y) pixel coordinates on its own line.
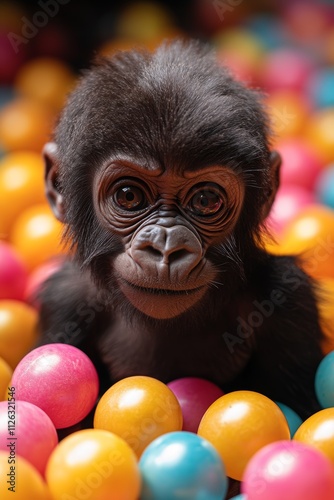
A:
(130, 198)
(206, 200)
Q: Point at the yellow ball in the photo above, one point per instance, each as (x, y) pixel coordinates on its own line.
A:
(94, 465)
(138, 409)
(239, 424)
(26, 482)
(18, 330)
(318, 431)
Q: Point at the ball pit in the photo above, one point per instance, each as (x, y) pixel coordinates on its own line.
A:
(289, 52)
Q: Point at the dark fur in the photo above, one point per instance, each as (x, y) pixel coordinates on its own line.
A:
(178, 107)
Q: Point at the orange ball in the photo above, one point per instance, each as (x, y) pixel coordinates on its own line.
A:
(320, 133)
(95, 465)
(239, 424)
(46, 80)
(18, 330)
(311, 234)
(326, 311)
(288, 112)
(138, 409)
(23, 477)
(36, 235)
(318, 431)
(5, 376)
(21, 185)
(25, 124)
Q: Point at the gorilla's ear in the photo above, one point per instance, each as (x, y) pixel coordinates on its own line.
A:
(52, 185)
(275, 164)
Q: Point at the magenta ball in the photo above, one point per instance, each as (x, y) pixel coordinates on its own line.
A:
(301, 165)
(61, 380)
(288, 470)
(288, 202)
(286, 69)
(31, 434)
(13, 273)
(195, 395)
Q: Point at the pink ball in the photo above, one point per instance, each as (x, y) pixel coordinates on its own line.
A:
(286, 69)
(288, 202)
(195, 395)
(60, 379)
(13, 274)
(37, 278)
(300, 163)
(288, 470)
(33, 435)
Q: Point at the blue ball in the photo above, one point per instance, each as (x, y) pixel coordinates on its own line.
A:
(324, 381)
(324, 187)
(240, 497)
(320, 88)
(182, 466)
(293, 419)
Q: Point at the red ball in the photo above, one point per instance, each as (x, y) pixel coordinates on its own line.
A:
(195, 395)
(33, 434)
(13, 273)
(60, 379)
(301, 165)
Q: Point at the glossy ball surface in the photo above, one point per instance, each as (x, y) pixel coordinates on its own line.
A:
(289, 470)
(320, 133)
(318, 431)
(195, 395)
(18, 330)
(324, 186)
(324, 381)
(37, 228)
(60, 379)
(138, 409)
(293, 419)
(34, 432)
(21, 186)
(13, 273)
(182, 466)
(241, 417)
(95, 465)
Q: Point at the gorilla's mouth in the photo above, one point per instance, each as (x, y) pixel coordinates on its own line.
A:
(161, 303)
(164, 291)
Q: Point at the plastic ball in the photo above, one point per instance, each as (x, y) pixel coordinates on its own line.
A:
(324, 381)
(288, 111)
(60, 379)
(37, 228)
(324, 187)
(21, 186)
(326, 312)
(311, 234)
(320, 88)
(240, 41)
(18, 330)
(138, 409)
(23, 478)
(13, 273)
(34, 433)
(241, 417)
(25, 125)
(318, 432)
(293, 419)
(297, 70)
(5, 376)
(301, 165)
(289, 201)
(195, 395)
(11, 60)
(239, 497)
(289, 470)
(319, 132)
(37, 277)
(95, 465)
(45, 79)
(182, 466)
(307, 21)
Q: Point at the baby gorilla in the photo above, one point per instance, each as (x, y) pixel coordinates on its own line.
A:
(162, 173)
